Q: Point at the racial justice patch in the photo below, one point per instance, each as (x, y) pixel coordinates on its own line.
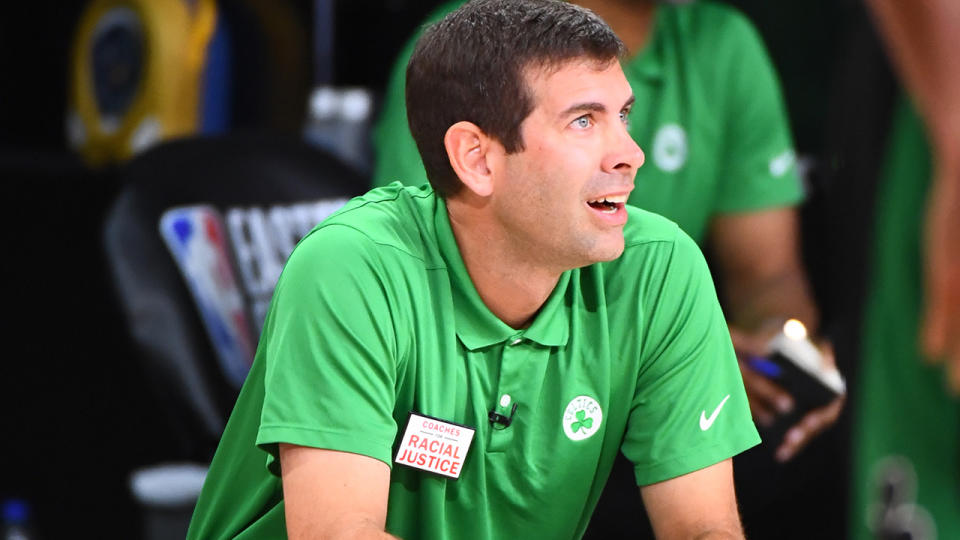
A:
(433, 445)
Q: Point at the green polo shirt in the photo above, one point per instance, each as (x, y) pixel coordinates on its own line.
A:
(375, 316)
(709, 116)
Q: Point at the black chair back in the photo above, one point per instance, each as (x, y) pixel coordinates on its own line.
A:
(195, 241)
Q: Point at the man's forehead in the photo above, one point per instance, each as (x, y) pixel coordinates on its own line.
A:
(565, 79)
(538, 70)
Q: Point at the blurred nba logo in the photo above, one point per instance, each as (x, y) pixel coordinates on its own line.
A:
(231, 262)
(195, 237)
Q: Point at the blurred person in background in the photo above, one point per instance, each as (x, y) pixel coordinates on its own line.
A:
(906, 478)
(720, 162)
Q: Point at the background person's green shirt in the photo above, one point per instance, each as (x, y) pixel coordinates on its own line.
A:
(709, 116)
(907, 429)
(375, 316)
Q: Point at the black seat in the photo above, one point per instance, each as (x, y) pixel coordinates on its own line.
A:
(257, 196)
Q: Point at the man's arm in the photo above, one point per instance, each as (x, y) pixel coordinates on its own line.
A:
(698, 505)
(330, 494)
(310, 340)
(764, 281)
(923, 38)
(760, 266)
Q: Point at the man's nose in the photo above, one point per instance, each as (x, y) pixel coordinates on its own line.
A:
(624, 156)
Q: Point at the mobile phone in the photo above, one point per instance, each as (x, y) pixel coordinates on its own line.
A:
(794, 363)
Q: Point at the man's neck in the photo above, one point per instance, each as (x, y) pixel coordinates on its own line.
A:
(632, 21)
(510, 283)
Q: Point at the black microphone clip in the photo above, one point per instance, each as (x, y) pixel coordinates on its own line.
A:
(497, 418)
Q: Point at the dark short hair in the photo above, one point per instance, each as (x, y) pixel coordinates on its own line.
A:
(470, 66)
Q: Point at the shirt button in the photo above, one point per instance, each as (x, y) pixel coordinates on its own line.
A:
(516, 341)
(505, 400)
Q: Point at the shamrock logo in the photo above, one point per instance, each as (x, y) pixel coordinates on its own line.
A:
(581, 418)
(583, 421)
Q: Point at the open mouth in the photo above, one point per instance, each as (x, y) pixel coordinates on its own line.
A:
(608, 204)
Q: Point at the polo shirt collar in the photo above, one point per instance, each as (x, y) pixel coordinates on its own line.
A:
(477, 327)
(648, 64)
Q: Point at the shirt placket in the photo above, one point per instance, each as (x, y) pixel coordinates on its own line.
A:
(522, 368)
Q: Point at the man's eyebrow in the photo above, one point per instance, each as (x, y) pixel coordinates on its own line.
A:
(583, 107)
(592, 106)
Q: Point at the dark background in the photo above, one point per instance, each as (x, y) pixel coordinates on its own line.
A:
(75, 418)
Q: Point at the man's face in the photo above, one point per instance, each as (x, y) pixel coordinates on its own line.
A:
(562, 198)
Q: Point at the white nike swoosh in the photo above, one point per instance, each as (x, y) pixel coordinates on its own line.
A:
(705, 422)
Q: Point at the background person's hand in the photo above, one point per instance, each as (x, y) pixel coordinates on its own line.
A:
(941, 319)
(768, 401)
(815, 421)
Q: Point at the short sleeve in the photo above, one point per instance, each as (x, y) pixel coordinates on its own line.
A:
(330, 350)
(758, 162)
(689, 409)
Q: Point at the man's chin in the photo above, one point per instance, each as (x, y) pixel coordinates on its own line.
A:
(609, 250)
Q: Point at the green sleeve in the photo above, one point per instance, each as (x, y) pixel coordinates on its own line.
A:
(330, 350)
(758, 163)
(688, 367)
(396, 157)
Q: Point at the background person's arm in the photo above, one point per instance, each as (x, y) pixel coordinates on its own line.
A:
(330, 494)
(923, 38)
(698, 505)
(764, 281)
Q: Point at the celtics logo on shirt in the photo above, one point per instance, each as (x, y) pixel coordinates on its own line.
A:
(670, 148)
(582, 418)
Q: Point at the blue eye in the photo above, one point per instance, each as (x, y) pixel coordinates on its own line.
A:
(625, 117)
(582, 122)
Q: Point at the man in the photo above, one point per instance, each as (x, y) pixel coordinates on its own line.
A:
(710, 114)
(466, 361)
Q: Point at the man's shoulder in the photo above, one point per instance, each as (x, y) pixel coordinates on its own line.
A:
(645, 227)
(652, 244)
(395, 218)
(712, 20)
(714, 34)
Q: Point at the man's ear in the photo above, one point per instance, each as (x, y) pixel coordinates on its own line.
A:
(468, 150)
